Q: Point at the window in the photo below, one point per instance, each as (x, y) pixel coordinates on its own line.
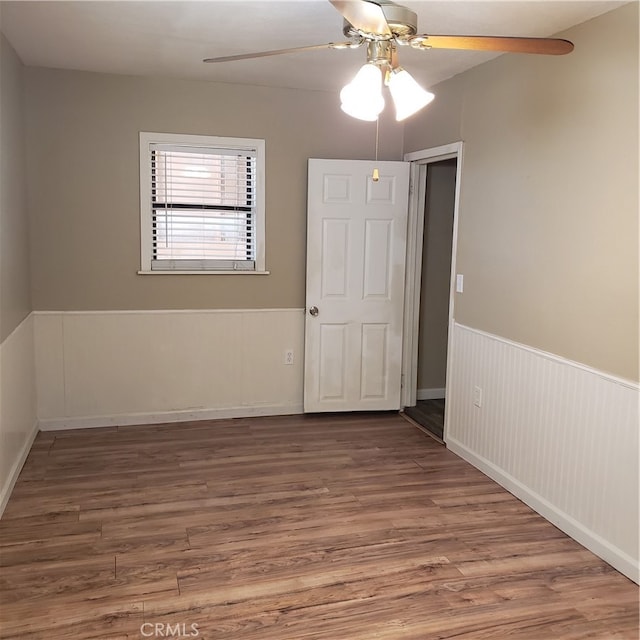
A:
(201, 204)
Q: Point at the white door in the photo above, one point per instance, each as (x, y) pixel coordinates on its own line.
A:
(356, 244)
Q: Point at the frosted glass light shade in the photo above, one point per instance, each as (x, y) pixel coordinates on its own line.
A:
(362, 97)
(408, 96)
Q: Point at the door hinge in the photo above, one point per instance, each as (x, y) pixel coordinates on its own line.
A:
(410, 187)
(402, 380)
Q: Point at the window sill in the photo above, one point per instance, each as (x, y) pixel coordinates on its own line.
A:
(178, 272)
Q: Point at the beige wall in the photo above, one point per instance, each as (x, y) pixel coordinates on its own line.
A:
(548, 237)
(436, 274)
(83, 169)
(17, 363)
(440, 122)
(548, 227)
(15, 295)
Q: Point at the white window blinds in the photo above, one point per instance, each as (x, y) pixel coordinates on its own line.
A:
(203, 208)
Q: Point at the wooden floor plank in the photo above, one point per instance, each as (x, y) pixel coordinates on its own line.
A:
(340, 527)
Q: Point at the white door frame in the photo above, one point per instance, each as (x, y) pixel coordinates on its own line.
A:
(415, 228)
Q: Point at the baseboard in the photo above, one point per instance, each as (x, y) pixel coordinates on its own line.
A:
(430, 394)
(132, 419)
(597, 545)
(5, 494)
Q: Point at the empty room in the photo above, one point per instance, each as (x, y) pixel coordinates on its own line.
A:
(319, 320)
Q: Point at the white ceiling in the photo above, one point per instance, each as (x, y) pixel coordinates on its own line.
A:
(170, 39)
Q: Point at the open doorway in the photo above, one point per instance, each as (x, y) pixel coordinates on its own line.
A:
(430, 285)
(433, 323)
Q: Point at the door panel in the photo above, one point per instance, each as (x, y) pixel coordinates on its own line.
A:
(374, 361)
(377, 258)
(333, 362)
(356, 240)
(335, 259)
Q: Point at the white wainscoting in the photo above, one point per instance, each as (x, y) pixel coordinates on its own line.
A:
(560, 436)
(18, 425)
(139, 367)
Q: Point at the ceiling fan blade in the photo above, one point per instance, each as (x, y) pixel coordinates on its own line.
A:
(549, 46)
(277, 52)
(364, 15)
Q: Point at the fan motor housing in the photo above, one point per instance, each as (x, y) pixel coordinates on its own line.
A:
(402, 22)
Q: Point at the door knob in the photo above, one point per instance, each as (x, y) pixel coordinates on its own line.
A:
(313, 311)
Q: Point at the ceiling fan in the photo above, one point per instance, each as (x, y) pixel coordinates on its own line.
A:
(383, 27)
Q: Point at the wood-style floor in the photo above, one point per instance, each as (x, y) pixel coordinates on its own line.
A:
(430, 415)
(316, 528)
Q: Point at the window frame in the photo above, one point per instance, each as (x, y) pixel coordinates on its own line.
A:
(257, 146)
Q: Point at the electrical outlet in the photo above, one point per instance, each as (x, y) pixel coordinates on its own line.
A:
(288, 356)
(477, 396)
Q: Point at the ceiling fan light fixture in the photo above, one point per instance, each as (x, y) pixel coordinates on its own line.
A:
(408, 96)
(362, 97)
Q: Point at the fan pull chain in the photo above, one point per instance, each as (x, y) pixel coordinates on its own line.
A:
(376, 175)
